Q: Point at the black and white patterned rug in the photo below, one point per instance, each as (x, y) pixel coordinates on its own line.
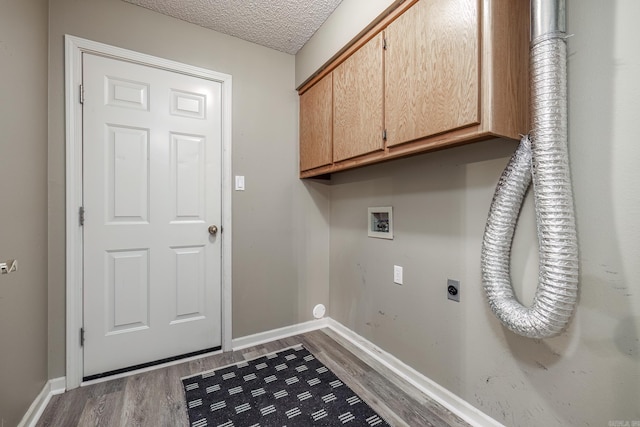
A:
(287, 388)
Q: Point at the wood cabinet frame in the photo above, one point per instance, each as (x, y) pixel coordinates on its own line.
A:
(503, 43)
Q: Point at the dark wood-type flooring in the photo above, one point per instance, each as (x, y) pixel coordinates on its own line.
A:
(156, 398)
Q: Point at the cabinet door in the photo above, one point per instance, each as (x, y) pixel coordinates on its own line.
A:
(432, 70)
(316, 124)
(358, 91)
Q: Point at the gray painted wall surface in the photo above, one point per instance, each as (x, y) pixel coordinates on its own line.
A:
(590, 375)
(23, 205)
(280, 237)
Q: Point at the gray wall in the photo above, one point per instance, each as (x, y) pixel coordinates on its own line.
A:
(23, 205)
(280, 243)
(589, 375)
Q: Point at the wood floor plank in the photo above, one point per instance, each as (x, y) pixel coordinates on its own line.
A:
(420, 398)
(62, 410)
(156, 398)
(102, 411)
(395, 406)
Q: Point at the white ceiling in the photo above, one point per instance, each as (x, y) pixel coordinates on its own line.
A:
(284, 25)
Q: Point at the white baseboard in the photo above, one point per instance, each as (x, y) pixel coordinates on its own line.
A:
(276, 334)
(58, 385)
(33, 414)
(452, 402)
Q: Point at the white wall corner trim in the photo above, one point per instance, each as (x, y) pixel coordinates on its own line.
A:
(452, 402)
(33, 414)
(74, 47)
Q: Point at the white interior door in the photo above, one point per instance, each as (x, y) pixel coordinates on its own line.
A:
(151, 188)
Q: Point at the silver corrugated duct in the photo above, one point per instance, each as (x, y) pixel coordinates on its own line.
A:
(542, 158)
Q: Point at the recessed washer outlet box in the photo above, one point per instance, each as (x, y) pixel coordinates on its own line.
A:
(453, 290)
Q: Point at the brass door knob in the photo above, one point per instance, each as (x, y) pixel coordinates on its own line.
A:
(213, 230)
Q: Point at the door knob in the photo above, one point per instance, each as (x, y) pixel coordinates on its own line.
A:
(213, 230)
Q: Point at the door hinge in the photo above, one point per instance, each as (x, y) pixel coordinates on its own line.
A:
(81, 215)
(81, 94)
(384, 44)
(384, 135)
(81, 337)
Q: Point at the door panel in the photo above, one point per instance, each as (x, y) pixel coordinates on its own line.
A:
(187, 177)
(127, 94)
(189, 264)
(187, 104)
(358, 91)
(151, 188)
(432, 66)
(127, 174)
(316, 125)
(127, 284)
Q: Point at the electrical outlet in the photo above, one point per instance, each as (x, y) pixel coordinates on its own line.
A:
(453, 290)
(397, 274)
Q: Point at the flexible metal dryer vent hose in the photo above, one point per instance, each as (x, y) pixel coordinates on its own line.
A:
(543, 158)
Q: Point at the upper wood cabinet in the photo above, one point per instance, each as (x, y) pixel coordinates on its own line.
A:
(431, 64)
(316, 125)
(358, 91)
(430, 74)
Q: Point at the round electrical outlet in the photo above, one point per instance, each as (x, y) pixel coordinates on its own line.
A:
(319, 311)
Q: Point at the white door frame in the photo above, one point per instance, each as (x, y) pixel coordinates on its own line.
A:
(74, 47)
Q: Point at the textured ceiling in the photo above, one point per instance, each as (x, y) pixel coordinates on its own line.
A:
(284, 25)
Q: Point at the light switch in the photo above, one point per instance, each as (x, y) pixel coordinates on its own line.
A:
(397, 274)
(239, 183)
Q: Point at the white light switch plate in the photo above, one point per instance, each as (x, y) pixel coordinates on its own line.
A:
(397, 274)
(239, 183)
